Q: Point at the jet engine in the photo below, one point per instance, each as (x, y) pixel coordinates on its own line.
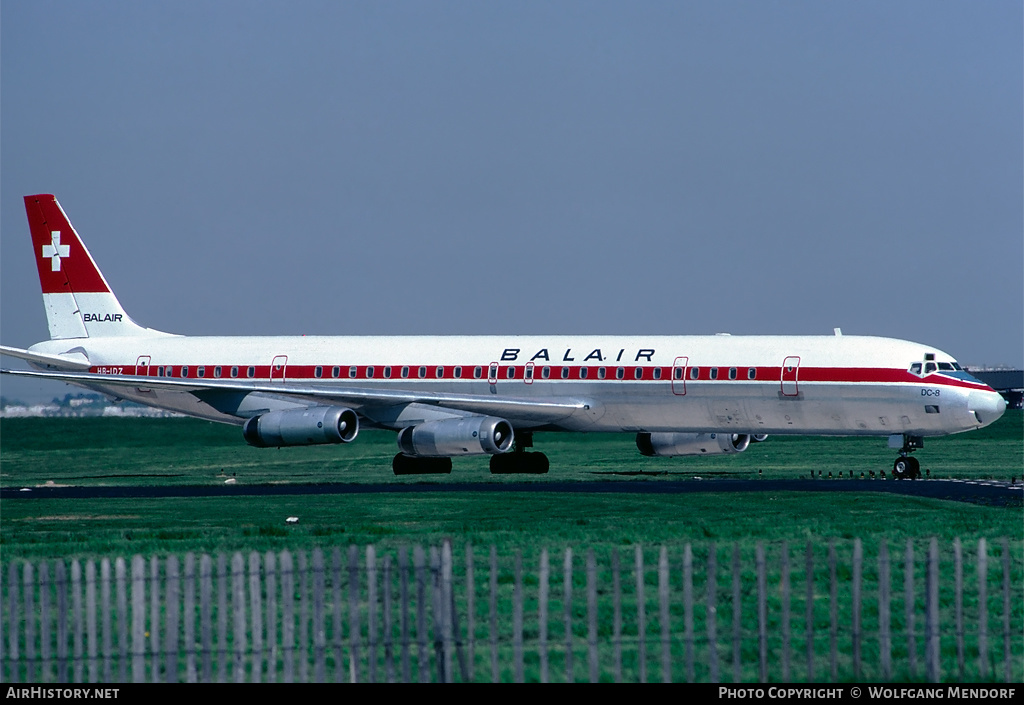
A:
(472, 435)
(301, 427)
(670, 444)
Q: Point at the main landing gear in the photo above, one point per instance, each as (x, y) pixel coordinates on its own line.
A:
(518, 461)
(906, 467)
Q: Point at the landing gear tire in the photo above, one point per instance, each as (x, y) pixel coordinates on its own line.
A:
(520, 463)
(906, 468)
(415, 465)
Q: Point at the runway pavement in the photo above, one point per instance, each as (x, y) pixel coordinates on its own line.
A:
(995, 493)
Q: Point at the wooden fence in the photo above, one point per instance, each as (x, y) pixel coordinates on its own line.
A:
(824, 611)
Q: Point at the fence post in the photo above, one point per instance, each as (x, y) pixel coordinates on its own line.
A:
(983, 669)
(9, 651)
(61, 583)
(419, 559)
(542, 618)
(737, 613)
(1006, 610)
(762, 612)
(189, 617)
(288, 616)
(908, 604)
(403, 596)
(371, 613)
(222, 618)
(447, 605)
(833, 623)
(272, 619)
(809, 608)
(30, 623)
(711, 612)
(688, 611)
(470, 615)
(303, 644)
(517, 617)
(319, 617)
(592, 616)
(666, 655)
(256, 610)
(567, 605)
(858, 558)
(238, 612)
(932, 611)
(958, 603)
(641, 615)
(389, 653)
(138, 620)
(884, 614)
(171, 626)
(493, 614)
(354, 629)
(617, 616)
(784, 588)
(205, 615)
(78, 622)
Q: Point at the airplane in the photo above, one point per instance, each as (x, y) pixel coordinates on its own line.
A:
(454, 396)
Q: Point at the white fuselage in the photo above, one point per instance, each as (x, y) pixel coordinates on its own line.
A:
(832, 385)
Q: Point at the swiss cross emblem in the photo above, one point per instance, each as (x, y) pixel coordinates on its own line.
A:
(55, 251)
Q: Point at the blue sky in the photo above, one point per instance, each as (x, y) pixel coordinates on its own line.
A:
(527, 167)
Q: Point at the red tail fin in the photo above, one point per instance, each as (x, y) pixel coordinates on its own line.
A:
(65, 266)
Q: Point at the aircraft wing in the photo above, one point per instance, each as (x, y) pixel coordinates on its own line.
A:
(513, 408)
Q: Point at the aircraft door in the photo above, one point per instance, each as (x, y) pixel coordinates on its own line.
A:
(679, 376)
(790, 372)
(142, 365)
(278, 368)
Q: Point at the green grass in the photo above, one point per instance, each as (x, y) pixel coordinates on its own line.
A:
(188, 452)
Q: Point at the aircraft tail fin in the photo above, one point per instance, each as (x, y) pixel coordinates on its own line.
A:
(79, 303)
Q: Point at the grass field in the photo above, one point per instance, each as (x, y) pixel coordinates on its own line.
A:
(188, 452)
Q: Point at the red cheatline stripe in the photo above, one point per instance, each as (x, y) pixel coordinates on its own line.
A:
(506, 373)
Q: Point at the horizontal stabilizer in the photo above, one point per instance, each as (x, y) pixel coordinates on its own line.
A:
(72, 361)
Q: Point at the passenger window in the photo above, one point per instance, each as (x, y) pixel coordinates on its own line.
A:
(511, 373)
(657, 373)
(619, 373)
(565, 373)
(251, 372)
(583, 373)
(369, 372)
(732, 373)
(234, 371)
(458, 372)
(714, 373)
(751, 373)
(405, 372)
(318, 371)
(439, 372)
(694, 373)
(184, 371)
(528, 373)
(545, 372)
(216, 371)
(638, 373)
(353, 372)
(201, 371)
(600, 373)
(477, 371)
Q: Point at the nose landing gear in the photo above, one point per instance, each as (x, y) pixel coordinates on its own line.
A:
(906, 467)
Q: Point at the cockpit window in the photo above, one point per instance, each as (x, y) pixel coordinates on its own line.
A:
(946, 366)
(916, 369)
(929, 367)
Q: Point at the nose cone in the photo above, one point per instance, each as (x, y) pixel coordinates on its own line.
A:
(987, 407)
